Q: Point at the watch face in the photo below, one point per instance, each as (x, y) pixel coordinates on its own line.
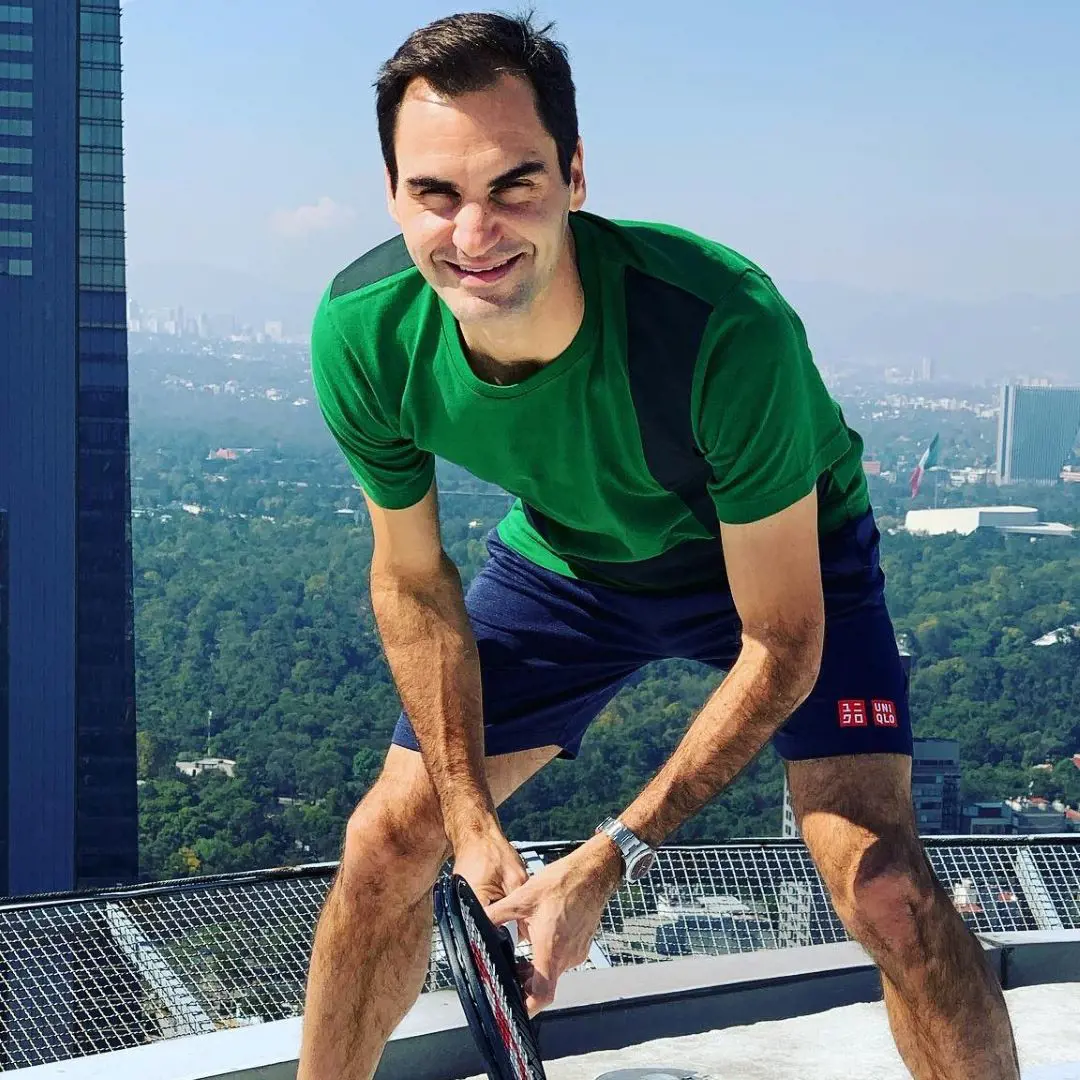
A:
(641, 866)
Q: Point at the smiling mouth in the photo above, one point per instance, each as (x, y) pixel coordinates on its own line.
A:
(485, 273)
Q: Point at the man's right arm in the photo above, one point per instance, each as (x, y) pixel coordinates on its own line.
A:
(417, 598)
(419, 608)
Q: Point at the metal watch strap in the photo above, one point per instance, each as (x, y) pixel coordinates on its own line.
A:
(630, 846)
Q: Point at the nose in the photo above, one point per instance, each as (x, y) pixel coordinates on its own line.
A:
(475, 230)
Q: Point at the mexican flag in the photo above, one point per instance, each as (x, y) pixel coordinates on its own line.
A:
(929, 457)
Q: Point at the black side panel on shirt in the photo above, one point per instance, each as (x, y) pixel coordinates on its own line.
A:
(664, 328)
(384, 261)
(694, 565)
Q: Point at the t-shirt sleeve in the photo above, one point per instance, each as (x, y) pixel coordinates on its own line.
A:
(391, 469)
(764, 418)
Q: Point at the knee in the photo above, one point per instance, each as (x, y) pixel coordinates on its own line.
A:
(889, 896)
(394, 844)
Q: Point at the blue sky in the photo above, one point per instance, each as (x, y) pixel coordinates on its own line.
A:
(927, 147)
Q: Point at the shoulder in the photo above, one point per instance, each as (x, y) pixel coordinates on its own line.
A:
(683, 288)
(382, 265)
(382, 287)
(677, 257)
(674, 276)
(373, 307)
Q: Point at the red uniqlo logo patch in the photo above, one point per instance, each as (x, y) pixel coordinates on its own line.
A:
(884, 713)
(852, 713)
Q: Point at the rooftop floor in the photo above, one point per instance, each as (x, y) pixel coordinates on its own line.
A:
(852, 1041)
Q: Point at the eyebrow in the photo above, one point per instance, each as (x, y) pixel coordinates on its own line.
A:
(437, 186)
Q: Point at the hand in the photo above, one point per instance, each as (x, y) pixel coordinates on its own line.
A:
(490, 864)
(558, 911)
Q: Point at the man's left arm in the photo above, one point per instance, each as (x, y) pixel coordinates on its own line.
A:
(769, 429)
(774, 573)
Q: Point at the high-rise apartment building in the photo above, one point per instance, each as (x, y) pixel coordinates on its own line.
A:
(1037, 428)
(935, 787)
(64, 471)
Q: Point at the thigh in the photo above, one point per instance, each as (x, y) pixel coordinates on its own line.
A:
(553, 652)
(405, 794)
(855, 815)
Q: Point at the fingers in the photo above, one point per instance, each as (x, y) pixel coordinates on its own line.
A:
(487, 892)
(516, 877)
(539, 992)
(492, 872)
(506, 909)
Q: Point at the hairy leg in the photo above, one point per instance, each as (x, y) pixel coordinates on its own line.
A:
(372, 943)
(946, 1008)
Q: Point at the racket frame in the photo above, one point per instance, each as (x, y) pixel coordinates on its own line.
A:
(452, 896)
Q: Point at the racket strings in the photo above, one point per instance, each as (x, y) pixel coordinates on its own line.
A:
(500, 1006)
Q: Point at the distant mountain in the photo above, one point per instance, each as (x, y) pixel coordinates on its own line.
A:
(1021, 334)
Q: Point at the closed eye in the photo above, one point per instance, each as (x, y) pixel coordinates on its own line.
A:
(514, 192)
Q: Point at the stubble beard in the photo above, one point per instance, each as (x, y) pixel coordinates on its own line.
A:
(481, 310)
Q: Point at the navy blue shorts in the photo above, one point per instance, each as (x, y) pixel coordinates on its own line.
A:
(554, 651)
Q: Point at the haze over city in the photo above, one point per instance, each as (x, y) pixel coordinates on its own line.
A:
(907, 175)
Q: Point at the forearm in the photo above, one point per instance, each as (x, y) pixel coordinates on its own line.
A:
(760, 692)
(431, 651)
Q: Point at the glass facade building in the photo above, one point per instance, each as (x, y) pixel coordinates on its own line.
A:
(64, 458)
(935, 787)
(1037, 430)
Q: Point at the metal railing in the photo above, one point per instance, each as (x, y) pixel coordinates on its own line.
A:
(87, 973)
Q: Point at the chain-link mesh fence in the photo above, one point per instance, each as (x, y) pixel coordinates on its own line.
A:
(84, 974)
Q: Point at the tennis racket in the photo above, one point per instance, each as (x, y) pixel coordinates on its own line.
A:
(481, 958)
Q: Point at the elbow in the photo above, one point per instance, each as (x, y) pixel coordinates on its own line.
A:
(791, 656)
(806, 665)
(412, 572)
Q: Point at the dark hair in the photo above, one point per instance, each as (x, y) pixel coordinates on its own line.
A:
(468, 52)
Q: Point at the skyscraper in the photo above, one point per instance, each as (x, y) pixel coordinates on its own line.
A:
(935, 787)
(1037, 428)
(64, 470)
(5, 669)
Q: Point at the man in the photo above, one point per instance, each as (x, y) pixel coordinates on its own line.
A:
(686, 488)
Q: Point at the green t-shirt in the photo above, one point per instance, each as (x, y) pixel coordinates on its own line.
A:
(687, 397)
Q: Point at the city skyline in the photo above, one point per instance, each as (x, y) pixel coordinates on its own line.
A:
(903, 173)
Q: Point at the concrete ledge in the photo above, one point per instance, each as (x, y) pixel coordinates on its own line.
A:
(1030, 958)
(609, 1010)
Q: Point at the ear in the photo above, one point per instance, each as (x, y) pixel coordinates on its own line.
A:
(391, 203)
(577, 177)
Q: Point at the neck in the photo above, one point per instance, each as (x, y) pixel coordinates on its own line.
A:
(545, 330)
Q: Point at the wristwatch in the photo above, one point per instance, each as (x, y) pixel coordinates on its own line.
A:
(638, 857)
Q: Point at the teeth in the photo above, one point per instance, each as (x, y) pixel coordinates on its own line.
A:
(483, 269)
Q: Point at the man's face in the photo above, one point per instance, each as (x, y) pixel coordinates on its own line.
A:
(480, 199)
